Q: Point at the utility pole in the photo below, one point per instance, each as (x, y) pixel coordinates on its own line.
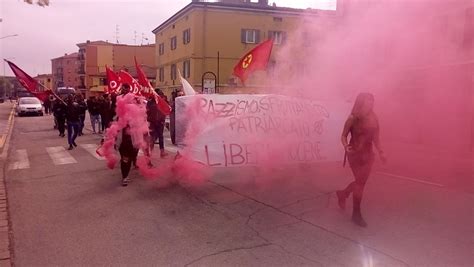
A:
(117, 33)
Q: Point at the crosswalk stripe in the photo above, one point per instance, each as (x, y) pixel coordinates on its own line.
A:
(172, 149)
(60, 156)
(20, 160)
(91, 148)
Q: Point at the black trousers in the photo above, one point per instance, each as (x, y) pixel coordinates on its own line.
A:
(61, 124)
(128, 155)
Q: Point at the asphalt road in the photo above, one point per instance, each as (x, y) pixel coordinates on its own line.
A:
(73, 211)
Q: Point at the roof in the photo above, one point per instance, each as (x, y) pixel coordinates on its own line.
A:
(44, 75)
(100, 42)
(150, 72)
(72, 55)
(255, 7)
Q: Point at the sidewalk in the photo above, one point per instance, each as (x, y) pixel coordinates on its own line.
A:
(5, 226)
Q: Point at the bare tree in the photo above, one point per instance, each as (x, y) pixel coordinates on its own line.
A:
(42, 3)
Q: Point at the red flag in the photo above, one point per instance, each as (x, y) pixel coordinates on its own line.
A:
(113, 81)
(28, 82)
(142, 79)
(256, 59)
(147, 90)
(163, 106)
(125, 77)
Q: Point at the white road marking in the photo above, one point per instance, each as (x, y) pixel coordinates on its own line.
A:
(410, 179)
(91, 148)
(60, 156)
(20, 160)
(172, 149)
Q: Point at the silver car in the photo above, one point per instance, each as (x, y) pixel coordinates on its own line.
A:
(29, 106)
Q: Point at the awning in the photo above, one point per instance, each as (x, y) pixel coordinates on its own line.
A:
(99, 89)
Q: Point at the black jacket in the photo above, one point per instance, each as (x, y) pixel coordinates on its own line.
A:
(72, 112)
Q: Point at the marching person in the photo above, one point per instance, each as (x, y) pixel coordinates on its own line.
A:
(94, 114)
(363, 126)
(73, 121)
(175, 94)
(159, 126)
(128, 153)
(82, 112)
(59, 112)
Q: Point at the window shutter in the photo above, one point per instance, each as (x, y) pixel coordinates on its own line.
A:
(270, 34)
(257, 36)
(189, 35)
(242, 35)
(184, 37)
(283, 37)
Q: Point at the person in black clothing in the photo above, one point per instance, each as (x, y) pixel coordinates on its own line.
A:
(157, 121)
(94, 113)
(47, 105)
(175, 94)
(73, 121)
(128, 153)
(82, 112)
(105, 110)
(59, 112)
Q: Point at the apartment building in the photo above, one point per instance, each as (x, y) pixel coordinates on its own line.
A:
(212, 36)
(94, 56)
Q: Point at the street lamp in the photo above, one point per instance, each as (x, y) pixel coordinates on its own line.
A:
(11, 35)
(5, 78)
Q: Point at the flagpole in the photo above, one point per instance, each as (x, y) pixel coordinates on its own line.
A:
(53, 93)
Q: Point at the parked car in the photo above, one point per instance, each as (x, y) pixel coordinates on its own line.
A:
(29, 106)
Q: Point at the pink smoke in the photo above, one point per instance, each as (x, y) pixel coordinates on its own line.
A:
(131, 112)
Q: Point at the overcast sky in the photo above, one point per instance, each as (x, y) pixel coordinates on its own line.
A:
(48, 32)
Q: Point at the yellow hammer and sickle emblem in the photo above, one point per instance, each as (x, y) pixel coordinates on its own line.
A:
(247, 61)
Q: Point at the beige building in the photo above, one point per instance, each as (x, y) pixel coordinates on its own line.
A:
(212, 36)
(94, 56)
(45, 80)
(64, 71)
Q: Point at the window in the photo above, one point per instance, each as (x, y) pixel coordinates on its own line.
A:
(277, 19)
(250, 36)
(186, 69)
(187, 36)
(279, 37)
(161, 74)
(173, 43)
(306, 39)
(161, 49)
(173, 72)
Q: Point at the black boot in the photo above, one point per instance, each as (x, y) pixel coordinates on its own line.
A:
(357, 219)
(341, 199)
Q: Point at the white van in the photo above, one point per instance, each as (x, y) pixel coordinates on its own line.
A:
(65, 91)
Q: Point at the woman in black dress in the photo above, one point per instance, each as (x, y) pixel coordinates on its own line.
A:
(363, 126)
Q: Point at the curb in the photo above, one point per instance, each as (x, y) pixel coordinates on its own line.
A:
(6, 234)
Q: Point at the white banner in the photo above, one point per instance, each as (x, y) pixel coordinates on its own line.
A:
(240, 130)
